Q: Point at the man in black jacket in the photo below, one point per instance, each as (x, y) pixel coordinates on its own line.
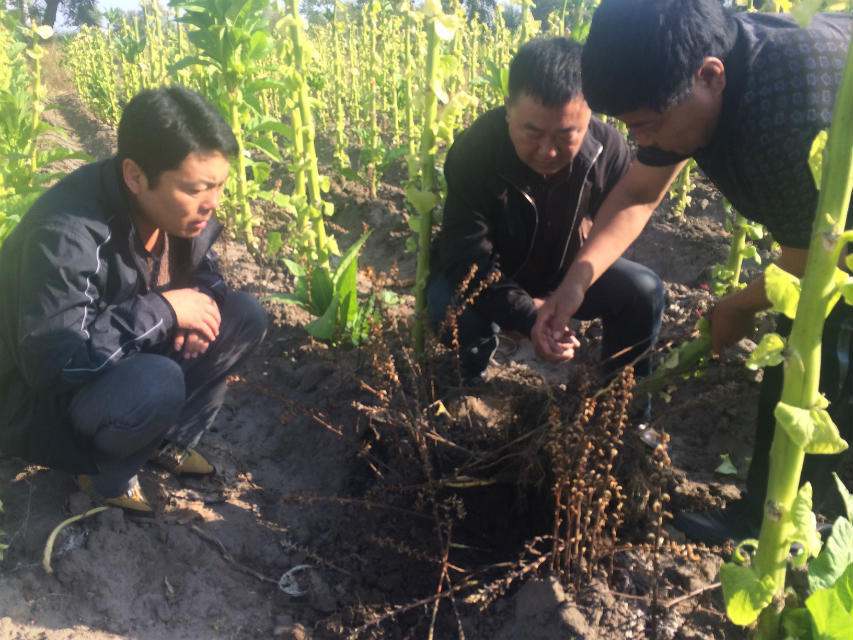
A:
(524, 183)
(116, 329)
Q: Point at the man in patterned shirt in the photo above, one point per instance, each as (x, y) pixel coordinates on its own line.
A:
(745, 95)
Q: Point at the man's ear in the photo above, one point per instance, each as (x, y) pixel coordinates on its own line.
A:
(506, 106)
(134, 176)
(712, 72)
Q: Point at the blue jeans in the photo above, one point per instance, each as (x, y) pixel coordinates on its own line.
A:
(126, 413)
(628, 298)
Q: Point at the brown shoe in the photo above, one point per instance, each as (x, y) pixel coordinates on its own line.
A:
(183, 462)
(133, 502)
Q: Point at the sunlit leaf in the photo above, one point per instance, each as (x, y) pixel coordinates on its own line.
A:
(768, 353)
(816, 152)
(810, 429)
(805, 525)
(783, 290)
(745, 594)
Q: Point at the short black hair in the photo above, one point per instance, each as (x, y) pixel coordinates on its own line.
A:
(160, 127)
(645, 53)
(548, 70)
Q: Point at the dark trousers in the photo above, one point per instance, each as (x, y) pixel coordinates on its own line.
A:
(836, 383)
(128, 411)
(628, 298)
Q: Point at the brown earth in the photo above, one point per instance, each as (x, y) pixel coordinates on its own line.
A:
(322, 521)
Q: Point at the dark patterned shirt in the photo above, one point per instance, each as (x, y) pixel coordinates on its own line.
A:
(780, 90)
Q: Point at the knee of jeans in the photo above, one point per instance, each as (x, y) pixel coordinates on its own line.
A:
(651, 293)
(248, 314)
(145, 388)
(161, 387)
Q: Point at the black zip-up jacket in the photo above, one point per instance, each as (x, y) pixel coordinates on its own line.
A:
(75, 298)
(491, 216)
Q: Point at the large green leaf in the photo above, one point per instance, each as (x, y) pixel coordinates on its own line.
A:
(831, 609)
(347, 268)
(323, 327)
(834, 558)
(783, 290)
(745, 594)
(805, 525)
(811, 429)
(321, 291)
(768, 353)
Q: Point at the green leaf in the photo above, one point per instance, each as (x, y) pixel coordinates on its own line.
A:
(845, 496)
(274, 243)
(267, 146)
(345, 273)
(286, 297)
(783, 290)
(810, 429)
(831, 618)
(797, 623)
(805, 525)
(745, 594)
(816, 153)
(846, 290)
(836, 556)
(260, 45)
(295, 268)
(321, 291)
(323, 327)
(768, 353)
(422, 201)
(726, 467)
(389, 298)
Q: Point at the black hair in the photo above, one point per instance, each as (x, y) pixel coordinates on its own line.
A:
(547, 70)
(645, 53)
(160, 127)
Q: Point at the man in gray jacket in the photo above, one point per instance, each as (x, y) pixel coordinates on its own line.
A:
(116, 329)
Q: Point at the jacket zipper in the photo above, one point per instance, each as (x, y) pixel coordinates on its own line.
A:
(529, 199)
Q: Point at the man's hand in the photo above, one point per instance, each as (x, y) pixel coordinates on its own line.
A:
(191, 344)
(730, 322)
(195, 312)
(552, 339)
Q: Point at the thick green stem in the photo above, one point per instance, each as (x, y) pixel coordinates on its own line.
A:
(244, 211)
(734, 262)
(427, 182)
(307, 132)
(802, 369)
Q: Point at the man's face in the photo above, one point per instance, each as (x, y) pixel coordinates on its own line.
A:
(183, 199)
(684, 128)
(547, 139)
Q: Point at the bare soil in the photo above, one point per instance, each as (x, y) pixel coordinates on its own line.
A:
(322, 522)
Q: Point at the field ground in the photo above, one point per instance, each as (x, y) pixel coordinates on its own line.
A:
(306, 474)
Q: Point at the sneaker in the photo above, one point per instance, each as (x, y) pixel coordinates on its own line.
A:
(183, 462)
(133, 502)
(475, 360)
(718, 526)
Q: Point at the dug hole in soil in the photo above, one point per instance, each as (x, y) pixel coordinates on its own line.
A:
(346, 501)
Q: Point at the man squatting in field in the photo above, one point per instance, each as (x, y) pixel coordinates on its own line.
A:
(744, 94)
(116, 329)
(524, 184)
